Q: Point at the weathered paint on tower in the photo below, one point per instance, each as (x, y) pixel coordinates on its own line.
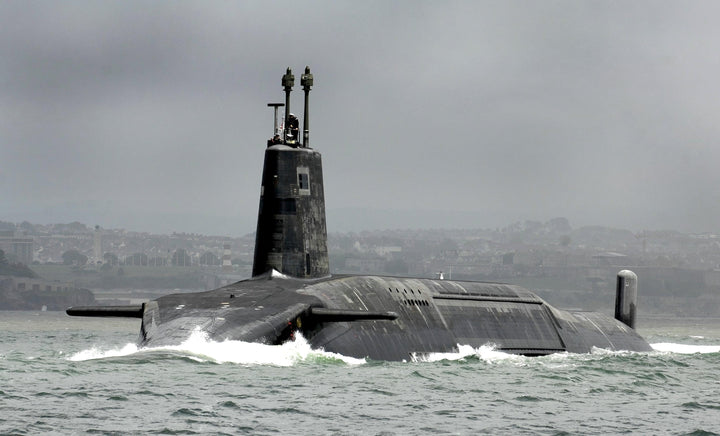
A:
(291, 233)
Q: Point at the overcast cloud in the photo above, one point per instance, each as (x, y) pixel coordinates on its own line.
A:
(152, 116)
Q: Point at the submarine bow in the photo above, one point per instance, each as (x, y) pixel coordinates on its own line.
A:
(379, 317)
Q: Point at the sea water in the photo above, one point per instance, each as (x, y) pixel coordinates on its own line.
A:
(62, 375)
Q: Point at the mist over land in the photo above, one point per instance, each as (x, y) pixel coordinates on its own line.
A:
(569, 266)
(152, 115)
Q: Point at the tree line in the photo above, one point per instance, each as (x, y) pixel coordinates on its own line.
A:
(180, 257)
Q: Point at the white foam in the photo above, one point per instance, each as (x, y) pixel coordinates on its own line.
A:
(98, 353)
(198, 347)
(605, 351)
(487, 353)
(490, 354)
(278, 275)
(669, 347)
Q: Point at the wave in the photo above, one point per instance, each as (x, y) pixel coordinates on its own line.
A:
(669, 347)
(199, 348)
(487, 353)
(490, 354)
(98, 353)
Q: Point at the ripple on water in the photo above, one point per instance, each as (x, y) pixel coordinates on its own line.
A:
(166, 430)
(416, 406)
(700, 432)
(417, 374)
(194, 412)
(374, 391)
(530, 398)
(445, 412)
(7, 396)
(80, 394)
(46, 394)
(154, 394)
(696, 405)
(283, 410)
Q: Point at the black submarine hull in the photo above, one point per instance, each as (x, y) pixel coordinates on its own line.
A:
(383, 318)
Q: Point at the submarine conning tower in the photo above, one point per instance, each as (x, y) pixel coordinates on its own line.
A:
(291, 234)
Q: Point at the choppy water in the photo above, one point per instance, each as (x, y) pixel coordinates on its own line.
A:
(67, 375)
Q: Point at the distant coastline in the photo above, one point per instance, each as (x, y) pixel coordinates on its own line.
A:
(23, 293)
(679, 273)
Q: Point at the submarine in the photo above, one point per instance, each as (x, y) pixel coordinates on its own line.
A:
(292, 292)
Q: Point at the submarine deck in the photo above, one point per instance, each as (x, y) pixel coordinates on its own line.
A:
(388, 318)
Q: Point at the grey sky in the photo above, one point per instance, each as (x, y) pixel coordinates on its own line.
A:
(152, 115)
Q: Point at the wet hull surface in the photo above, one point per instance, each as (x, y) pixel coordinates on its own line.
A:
(384, 318)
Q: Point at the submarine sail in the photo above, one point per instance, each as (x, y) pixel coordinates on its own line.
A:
(378, 317)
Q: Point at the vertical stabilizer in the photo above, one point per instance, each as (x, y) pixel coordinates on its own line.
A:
(626, 298)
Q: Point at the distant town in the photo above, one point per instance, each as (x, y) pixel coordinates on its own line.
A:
(679, 273)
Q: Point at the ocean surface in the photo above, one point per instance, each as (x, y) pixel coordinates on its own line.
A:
(62, 375)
